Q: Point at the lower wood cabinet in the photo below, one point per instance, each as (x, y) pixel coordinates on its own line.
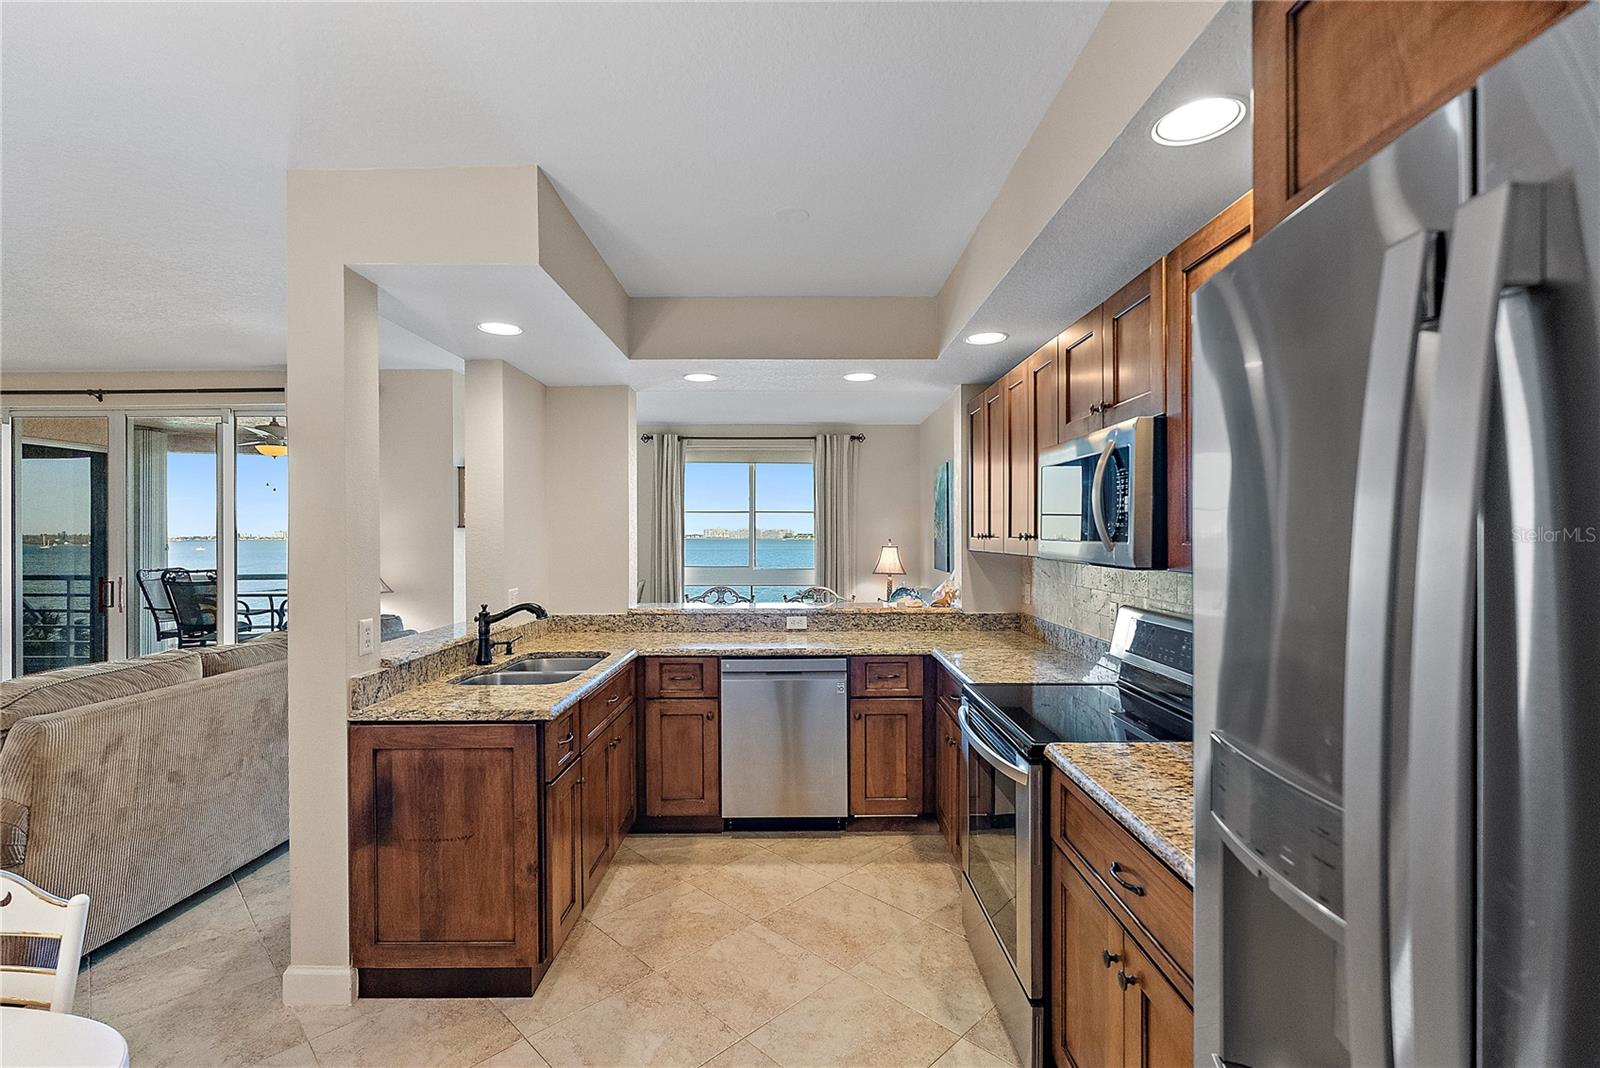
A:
(886, 743)
(563, 851)
(949, 775)
(682, 758)
(444, 866)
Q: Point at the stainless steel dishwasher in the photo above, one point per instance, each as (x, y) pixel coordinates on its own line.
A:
(785, 739)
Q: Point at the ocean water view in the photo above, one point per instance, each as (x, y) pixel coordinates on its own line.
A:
(735, 552)
(264, 556)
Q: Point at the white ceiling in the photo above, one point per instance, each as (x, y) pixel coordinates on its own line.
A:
(146, 145)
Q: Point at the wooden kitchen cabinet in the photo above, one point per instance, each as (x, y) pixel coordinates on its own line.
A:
(682, 676)
(999, 483)
(1133, 357)
(1081, 377)
(624, 773)
(1019, 520)
(949, 776)
(1157, 1023)
(1086, 1004)
(598, 837)
(886, 743)
(1190, 266)
(1335, 82)
(682, 758)
(563, 856)
(977, 473)
(886, 676)
(444, 845)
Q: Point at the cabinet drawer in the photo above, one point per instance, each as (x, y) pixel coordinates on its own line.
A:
(599, 707)
(1126, 871)
(886, 676)
(689, 676)
(949, 687)
(560, 743)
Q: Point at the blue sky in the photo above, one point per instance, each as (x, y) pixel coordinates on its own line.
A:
(55, 495)
(723, 492)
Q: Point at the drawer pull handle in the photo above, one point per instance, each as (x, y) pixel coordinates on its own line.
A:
(1133, 888)
(1124, 980)
(680, 678)
(567, 740)
(613, 699)
(1109, 957)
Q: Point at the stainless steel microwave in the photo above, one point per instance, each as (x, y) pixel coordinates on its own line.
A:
(1102, 497)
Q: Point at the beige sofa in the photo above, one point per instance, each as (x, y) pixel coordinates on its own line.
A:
(143, 781)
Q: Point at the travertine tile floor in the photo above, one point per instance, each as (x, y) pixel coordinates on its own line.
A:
(719, 950)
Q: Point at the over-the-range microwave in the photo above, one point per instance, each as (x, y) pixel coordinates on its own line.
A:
(1102, 496)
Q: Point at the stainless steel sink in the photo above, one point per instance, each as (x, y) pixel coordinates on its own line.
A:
(520, 678)
(573, 662)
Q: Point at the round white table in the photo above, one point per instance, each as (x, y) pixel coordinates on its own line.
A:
(41, 1039)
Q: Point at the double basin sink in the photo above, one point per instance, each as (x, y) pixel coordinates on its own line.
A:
(537, 670)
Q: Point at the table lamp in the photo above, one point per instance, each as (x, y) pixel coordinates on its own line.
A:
(889, 564)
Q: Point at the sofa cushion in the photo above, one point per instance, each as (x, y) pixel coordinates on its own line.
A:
(266, 649)
(89, 684)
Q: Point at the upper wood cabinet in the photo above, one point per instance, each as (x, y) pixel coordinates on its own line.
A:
(1189, 267)
(1019, 523)
(1082, 381)
(1335, 82)
(999, 468)
(1133, 370)
(977, 473)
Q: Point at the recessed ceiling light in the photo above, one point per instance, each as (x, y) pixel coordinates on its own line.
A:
(987, 337)
(500, 329)
(860, 376)
(1199, 120)
(699, 376)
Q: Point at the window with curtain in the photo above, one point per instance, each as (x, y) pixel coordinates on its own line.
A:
(749, 521)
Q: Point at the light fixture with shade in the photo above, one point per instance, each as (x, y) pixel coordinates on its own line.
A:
(889, 564)
(987, 337)
(500, 329)
(274, 438)
(1198, 121)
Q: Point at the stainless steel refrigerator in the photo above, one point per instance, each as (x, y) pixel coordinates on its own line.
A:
(1397, 598)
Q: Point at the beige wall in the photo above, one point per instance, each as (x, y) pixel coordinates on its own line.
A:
(417, 495)
(505, 435)
(888, 495)
(590, 464)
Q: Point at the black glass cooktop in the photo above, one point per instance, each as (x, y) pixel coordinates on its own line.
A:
(1033, 716)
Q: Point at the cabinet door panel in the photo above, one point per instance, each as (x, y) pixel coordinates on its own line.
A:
(1189, 267)
(1158, 1025)
(683, 772)
(998, 455)
(1044, 393)
(563, 856)
(1135, 357)
(1082, 386)
(886, 757)
(1018, 389)
(594, 796)
(443, 840)
(1086, 1017)
(977, 473)
(624, 773)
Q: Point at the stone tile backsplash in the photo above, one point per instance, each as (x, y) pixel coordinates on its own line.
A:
(1085, 597)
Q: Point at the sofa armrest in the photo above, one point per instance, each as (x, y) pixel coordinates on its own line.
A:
(17, 778)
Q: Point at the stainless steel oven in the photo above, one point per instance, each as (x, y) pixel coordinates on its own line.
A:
(1101, 496)
(1003, 866)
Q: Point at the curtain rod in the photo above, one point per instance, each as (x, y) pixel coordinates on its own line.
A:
(101, 394)
(749, 437)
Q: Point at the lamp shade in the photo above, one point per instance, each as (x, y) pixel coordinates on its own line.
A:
(889, 561)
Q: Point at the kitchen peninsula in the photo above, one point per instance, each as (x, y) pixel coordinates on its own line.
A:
(483, 817)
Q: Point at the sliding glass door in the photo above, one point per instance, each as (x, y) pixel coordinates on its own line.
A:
(134, 531)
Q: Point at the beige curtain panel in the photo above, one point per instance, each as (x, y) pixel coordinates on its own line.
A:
(666, 544)
(834, 475)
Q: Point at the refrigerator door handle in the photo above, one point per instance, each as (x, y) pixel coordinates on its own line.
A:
(1096, 507)
(1497, 242)
(1375, 552)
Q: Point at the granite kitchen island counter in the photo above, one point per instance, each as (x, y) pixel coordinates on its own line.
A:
(396, 693)
(1147, 787)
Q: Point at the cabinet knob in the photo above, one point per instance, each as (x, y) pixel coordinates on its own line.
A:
(580, 781)
(1124, 980)
(858, 715)
(711, 715)
(1097, 408)
(1109, 957)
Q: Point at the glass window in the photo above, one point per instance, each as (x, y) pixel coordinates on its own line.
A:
(749, 525)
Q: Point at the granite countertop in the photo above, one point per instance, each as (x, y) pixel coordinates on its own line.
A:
(973, 656)
(1148, 787)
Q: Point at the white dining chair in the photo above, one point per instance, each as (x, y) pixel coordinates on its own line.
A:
(29, 912)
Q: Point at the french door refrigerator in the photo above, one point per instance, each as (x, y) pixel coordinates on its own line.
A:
(1397, 598)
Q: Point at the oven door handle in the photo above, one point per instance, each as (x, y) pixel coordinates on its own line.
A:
(1096, 508)
(1016, 772)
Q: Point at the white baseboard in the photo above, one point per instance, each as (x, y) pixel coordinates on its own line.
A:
(319, 984)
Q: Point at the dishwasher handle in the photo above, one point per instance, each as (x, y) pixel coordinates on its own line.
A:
(784, 668)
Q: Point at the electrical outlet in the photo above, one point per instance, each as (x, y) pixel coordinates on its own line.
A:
(796, 622)
(511, 595)
(1027, 591)
(365, 643)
